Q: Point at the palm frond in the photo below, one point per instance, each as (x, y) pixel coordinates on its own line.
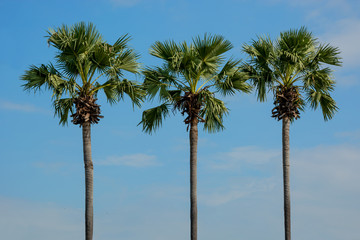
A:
(112, 60)
(213, 112)
(158, 81)
(261, 68)
(261, 79)
(48, 77)
(127, 60)
(327, 54)
(68, 65)
(115, 90)
(153, 117)
(231, 79)
(261, 51)
(166, 50)
(121, 43)
(63, 107)
(210, 52)
(327, 104)
(133, 90)
(78, 39)
(320, 80)
(298, 42)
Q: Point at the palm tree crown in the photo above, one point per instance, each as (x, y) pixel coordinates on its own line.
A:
(82, 60)
(188, 80)
(294, 66)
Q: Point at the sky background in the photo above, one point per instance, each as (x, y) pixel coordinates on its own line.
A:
(141, 182)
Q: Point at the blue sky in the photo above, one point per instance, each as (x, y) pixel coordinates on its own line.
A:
(141, 181)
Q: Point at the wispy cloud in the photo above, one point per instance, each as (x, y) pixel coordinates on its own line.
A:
(338, 21)
(337, 164)
(57, 167)
(49, 165)
(324, 187)
(28, 220)
(345, 34)
(239, 156)
(329, 166)
(352, 134)
(22, 107)
(134, 160)
(220, 198)
(322, 7)
(324, 190)
(236, 188)
(227, 194)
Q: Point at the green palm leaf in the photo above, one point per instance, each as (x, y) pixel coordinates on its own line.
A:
(153, 117)
(213, 112)
(62, 108)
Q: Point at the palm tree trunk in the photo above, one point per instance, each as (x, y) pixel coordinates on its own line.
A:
(286, 176)
(193, 177)
(86, 131)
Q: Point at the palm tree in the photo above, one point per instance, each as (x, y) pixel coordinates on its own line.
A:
(188, 81)
(296, 68)
(82, 60)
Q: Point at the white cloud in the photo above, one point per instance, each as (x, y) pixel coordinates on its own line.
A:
(345, 34)
(352, 134)
(49, 165)
(347, 80)
(244, 188)
(240, 155)
(134, 160)
(219, 198)
(54, 167)
(324, 187)
(321, 6)
(27, 220)
(339, 19)
(328, 166)
(6, 105)
(324, 192)
(324, 5)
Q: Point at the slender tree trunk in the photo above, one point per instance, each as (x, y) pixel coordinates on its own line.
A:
(86, 130)
(286, 176)
(193, 177)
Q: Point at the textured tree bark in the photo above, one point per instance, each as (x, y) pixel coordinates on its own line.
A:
(86, 130)
(286, 176)
(193, 177)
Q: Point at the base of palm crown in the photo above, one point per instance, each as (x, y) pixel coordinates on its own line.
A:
(86, 110)
(287, 103)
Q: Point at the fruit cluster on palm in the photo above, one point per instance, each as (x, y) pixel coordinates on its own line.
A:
(295, 68)
(82, 61)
